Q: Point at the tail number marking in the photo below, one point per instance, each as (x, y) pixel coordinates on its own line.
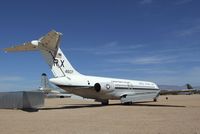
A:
(56, 63)
(69, 71)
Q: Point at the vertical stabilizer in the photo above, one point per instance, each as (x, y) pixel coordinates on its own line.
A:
(44, 82)
(49, 47)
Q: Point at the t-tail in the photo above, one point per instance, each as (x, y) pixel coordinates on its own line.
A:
(49, 47)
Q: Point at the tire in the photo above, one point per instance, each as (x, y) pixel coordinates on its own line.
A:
(128, 103)
(106, 102)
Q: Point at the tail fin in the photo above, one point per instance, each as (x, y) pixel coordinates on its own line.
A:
(189, 86)
(47, 88)
(44, 82)
(49, 47)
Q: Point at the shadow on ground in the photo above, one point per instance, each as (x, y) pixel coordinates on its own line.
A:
(74, 106)
(77, 106)
(30, 110)
(155, 105)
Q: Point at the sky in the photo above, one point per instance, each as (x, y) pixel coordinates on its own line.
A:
(153, 40)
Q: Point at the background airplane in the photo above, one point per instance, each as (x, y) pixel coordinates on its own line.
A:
(190, 90)
(50, 91)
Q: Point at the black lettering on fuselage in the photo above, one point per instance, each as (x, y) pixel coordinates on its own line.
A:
(62, 63)
(56, 63)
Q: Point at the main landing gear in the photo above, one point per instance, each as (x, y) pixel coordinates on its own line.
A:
(105, 102)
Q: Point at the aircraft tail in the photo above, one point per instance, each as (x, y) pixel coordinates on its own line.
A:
(189, 86)
(49, 47)
(44, 82)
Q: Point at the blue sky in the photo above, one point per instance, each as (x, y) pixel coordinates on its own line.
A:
(154, 40)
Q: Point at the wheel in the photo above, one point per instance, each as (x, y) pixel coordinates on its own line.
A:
(128, 103)
(105, 102)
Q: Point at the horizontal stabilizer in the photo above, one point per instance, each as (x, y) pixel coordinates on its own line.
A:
(25, 47)
(49, 42)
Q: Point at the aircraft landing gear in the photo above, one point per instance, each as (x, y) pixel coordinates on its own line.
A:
(128, 103)
(105, 102)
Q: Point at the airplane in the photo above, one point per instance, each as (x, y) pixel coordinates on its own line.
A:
(50, 91)
(190, 90)
(101, 89)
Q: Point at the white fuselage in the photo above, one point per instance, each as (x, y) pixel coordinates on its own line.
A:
(79, 85)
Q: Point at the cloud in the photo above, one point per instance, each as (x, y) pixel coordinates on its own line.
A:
(143, 2)
(111, 44)
(184, 50)
(189, 26)
(6, 86)
(10, 78)
(110, 48)
(15, 86)
(194, 73)
(161, 58)
(118, 49)
(189, 31)
(144, 60)
(191, 76)
(81, 49)
(125, 70)
(10, 83)
(149, 60)
(176, 2)
(17, 83)
(111, 52)
(136, 70)
(181, 2)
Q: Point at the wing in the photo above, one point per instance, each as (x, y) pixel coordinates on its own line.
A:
(135, 97)
(127, 97)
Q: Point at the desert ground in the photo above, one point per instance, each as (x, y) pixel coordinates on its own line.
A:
(180, 114)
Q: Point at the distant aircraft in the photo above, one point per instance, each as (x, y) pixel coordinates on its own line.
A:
(189, 86)
(99, 88)
(187, 91)
(49, 91)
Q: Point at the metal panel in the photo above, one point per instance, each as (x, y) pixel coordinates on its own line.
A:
(33, 99)
(11, 100)
(21, 99)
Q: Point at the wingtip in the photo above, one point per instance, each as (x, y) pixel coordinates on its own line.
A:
(5, 50)
(53, 30)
